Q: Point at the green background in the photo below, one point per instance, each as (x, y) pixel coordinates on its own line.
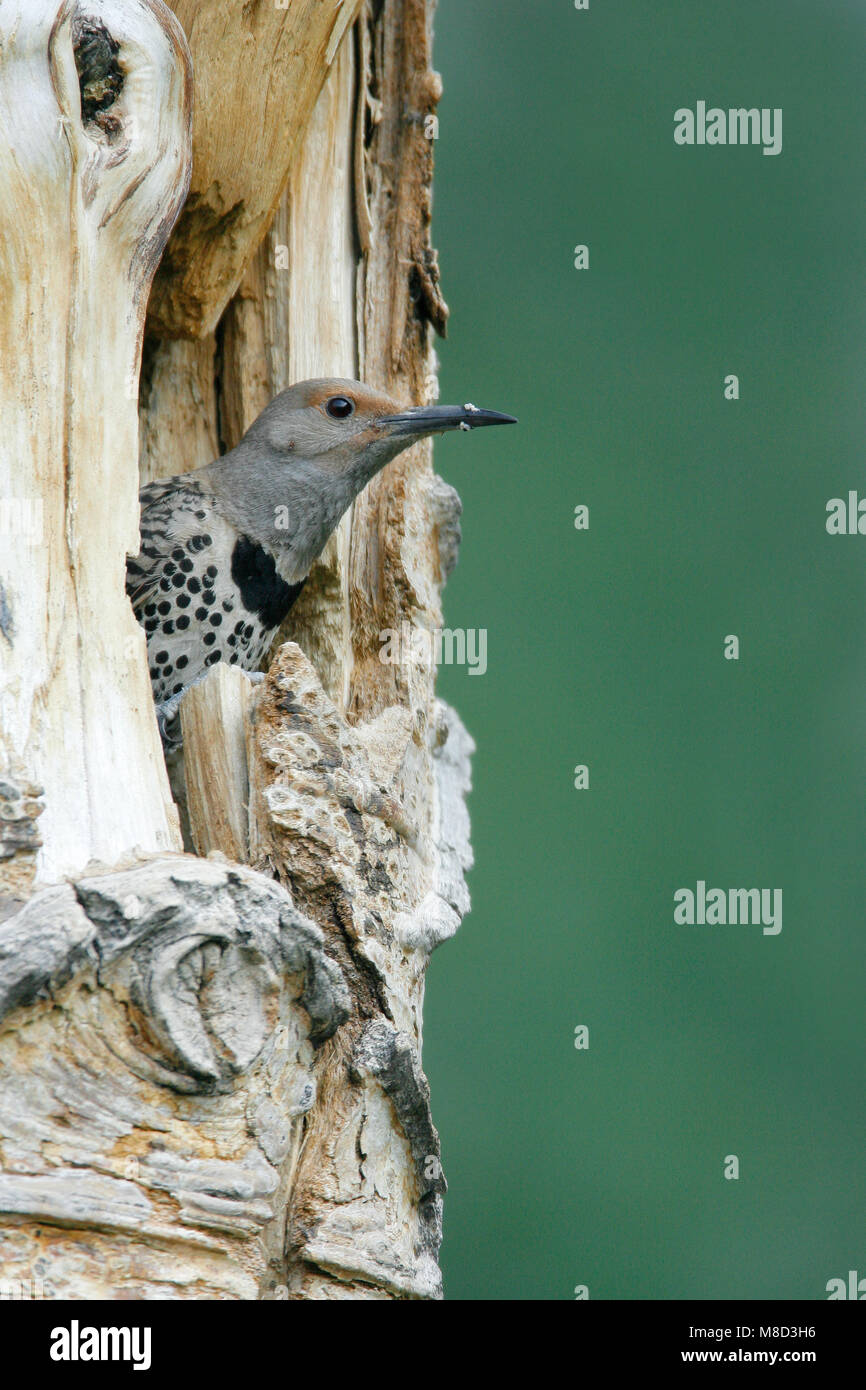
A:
(605, 1167)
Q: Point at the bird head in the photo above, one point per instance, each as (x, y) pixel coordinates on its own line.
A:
(309, 454)
(348, 429)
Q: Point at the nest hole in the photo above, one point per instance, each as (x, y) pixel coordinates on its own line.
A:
(100, 76)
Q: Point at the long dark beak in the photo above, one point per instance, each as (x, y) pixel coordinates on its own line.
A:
(433, 419)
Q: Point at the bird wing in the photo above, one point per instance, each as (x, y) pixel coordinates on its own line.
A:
(172, 509)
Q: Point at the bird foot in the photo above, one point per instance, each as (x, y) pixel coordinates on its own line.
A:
(168, 718)
(168, 723)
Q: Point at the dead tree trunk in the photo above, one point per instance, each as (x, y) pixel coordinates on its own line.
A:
(210, 1061)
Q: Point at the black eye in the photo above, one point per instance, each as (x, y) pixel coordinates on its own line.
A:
(339, 407)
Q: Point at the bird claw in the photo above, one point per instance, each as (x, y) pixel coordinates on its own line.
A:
(168, 722)
(168, 719)
(167, 713)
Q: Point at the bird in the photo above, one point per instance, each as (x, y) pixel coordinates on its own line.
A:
(226, 548)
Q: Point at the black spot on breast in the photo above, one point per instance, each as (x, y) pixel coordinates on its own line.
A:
(262, 590)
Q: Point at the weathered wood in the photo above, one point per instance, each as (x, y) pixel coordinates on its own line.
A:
(158, 1028)
(214, 724)
(178, 406)
(259, 69)
(88, 194)
(375, 852)
(394, 565)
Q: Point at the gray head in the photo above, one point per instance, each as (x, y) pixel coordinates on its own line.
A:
(314, 448)
(348, 427)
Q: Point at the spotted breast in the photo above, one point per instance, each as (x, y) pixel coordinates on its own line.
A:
(202, 591)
